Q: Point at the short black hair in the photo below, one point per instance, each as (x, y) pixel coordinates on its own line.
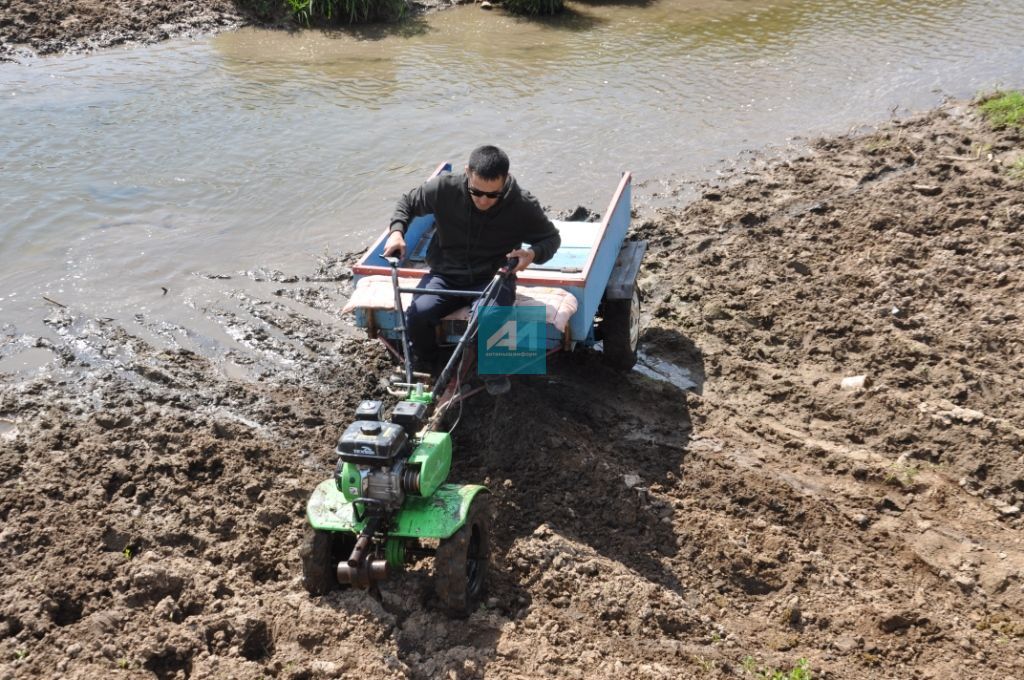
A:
(488, 162)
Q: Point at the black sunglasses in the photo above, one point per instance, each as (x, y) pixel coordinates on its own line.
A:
(473, 191)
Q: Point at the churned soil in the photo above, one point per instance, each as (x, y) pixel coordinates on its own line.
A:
(52, 26)
(68, 26)
(152, 500)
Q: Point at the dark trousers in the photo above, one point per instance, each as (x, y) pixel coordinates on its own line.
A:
(426, 311)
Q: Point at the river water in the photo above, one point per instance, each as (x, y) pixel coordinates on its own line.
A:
(130, 171)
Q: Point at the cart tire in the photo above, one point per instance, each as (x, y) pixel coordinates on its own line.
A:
(460, 564)
(620, 330)
(321, 551)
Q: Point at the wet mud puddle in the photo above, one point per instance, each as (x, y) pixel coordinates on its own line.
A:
(665, 371)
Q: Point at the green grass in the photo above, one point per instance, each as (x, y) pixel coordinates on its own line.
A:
(1005, 109)
(345, 11)
(533, 7)
(326, 12)
(1017, 169)
(801, 671)
(901, 475)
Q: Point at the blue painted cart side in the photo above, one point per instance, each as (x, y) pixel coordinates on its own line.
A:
(602, 259)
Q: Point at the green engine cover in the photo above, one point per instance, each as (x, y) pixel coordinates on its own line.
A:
(434, 458)
(348, 481)
(436, 516)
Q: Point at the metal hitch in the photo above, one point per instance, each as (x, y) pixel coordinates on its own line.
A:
(364, 575)
(359, 571)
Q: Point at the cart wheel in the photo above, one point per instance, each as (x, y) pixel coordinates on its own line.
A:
(321, 551)
(460, 564)
(620, 329)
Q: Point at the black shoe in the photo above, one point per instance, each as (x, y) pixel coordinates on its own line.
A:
(497, 384)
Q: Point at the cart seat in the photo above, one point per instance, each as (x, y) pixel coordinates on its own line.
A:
(375, 292)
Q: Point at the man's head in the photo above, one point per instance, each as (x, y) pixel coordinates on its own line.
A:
(487, 173)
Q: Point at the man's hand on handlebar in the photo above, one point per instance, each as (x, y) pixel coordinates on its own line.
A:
(524, 257)
(395, 245)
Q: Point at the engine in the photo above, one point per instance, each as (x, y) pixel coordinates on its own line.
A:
(388, 485)
(372, 455)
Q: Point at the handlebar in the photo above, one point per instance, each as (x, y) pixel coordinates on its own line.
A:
(509, 266)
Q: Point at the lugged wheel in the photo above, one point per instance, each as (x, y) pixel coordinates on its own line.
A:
(460, 565)
(620, 330)
(321, 551)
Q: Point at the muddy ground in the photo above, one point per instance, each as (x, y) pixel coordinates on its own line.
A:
(30, 27)
(53, 26)
(152, 494)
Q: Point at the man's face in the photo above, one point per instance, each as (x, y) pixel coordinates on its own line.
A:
(484, 192)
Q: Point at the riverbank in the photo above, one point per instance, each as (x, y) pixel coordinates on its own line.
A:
(69, 26)
(63, 26)
(152, 500)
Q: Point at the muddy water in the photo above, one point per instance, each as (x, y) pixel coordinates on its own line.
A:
(126, 173)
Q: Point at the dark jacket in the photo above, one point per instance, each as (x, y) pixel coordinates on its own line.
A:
(470, 245)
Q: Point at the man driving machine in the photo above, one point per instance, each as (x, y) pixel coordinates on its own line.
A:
(482, 219)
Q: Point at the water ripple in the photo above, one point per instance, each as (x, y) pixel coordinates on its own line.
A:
(261, 148)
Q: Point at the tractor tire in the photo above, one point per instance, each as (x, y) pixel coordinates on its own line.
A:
(620, 331)
(320, 552)
(460, 564)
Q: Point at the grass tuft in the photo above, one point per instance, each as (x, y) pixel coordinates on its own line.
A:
(800, 671)
(1017, 169)
(1004, 109)
(345, 11)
